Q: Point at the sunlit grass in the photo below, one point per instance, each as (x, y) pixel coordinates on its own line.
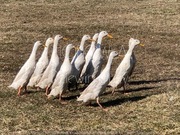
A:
(152, 101)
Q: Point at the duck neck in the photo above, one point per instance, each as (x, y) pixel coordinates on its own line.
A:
(45, 52)
(92, 47)
(81, 47)
(54, 52)
(33, 53)
(108, 65)
(130, 50)
(66, 58)
(99, 41)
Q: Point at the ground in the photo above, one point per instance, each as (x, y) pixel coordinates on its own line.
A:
(151, 103)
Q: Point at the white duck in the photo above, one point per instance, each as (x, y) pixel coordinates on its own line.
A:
(52, 68)
(78, 62)
(22, 78)
(125, 68)
(97, 57)
(98, 85)
(61, 81)
(41, 64)
(86, 71)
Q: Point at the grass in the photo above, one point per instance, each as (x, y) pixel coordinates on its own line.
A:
(152, 101)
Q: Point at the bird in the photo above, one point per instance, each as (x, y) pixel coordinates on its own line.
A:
(22, 78)
(78, 62)
(60, 83)
(52, 68)
(88, 61)
(41, 64)
(125, 68)
(98, 85)
(97, 56)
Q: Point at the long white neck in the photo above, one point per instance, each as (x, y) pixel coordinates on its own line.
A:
(90, 53)
(66, 58)
(33, 53)
(45, 52)
(108, 65)
(99, 41)
(130, 50)
(54, 52)
(92, 47)
(81, 47)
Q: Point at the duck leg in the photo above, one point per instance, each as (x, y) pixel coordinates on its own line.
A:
(47, 90)
(61, 100)
(37, 88)
(19, 90)
(124, 87)
(97, 100)
(122, 84)
(113, 91)
(25, 89)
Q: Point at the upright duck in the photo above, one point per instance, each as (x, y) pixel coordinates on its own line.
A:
(53, 67)
(22, 78)
(41, 64)
(86, 71)
(125, 68)
(60, 83)
(97, 57)
(78, 62)
(98, 85)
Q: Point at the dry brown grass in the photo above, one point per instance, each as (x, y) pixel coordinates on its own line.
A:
(151, 104)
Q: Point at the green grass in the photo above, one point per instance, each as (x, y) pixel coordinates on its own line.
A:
(152, 101)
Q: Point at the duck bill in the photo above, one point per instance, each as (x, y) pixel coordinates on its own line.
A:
(108, 35)
(121, 56)
(92, 39)
(65, 38)
(44, 46)
(141, 44)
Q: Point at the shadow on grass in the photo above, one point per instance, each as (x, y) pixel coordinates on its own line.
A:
(69, 95)
(131, 90)
(31, 91)
(119, 101)
(139, 89)
(122, 98)
(151, 81)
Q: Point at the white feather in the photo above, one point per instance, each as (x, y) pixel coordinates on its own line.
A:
(126, 66)
(97, 57)
(87, 68)
(61, 81)
(23, 76)
(98, 85)
(41, 64)
(78, 62)
(52, 68)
